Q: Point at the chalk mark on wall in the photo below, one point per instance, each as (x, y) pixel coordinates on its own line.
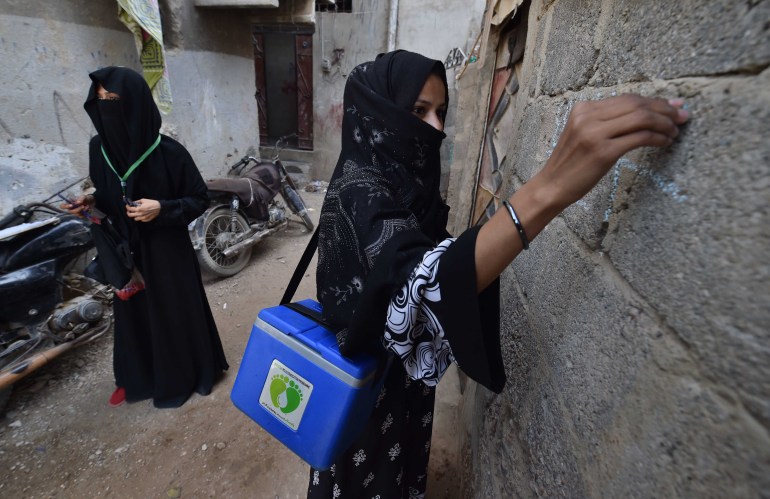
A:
(663, 184)
(60, 104)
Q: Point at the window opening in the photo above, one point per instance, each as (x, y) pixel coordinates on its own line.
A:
(334, 6)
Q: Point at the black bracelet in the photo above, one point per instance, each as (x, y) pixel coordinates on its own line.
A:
(517, 223)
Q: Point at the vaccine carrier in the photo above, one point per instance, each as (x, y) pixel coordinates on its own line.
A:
(295, 384)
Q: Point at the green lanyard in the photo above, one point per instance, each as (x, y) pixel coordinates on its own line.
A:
(132, 167)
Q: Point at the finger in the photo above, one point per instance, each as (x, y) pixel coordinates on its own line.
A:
(638, 120)
(619, 106)
(682, 115)
(642, 138)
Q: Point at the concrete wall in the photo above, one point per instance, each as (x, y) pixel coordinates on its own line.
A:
(431, 28)
(360, 35)
(49, 47)
(636, 329)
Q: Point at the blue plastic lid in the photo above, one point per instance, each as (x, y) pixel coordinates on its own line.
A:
(317, 337)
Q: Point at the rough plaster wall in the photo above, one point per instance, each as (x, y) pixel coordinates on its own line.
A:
(215, 113)
(635, 330)
(434, 27)
(362, 34)
(52, 46)
(431, 28)
(45, 132)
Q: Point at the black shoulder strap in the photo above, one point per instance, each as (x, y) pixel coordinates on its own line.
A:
(385, 357)
(301, 268)
(299, 272)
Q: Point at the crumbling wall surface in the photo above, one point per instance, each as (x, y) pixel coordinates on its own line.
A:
(44, 130)
(636, 329)
(49, 47)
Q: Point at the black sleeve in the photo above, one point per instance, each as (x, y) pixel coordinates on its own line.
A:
(191, 196)
(471, 320)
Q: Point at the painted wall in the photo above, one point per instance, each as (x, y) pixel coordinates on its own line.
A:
(49, 48)
(636, 328)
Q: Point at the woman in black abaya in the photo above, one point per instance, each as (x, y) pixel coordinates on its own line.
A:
(389, 275)
(166, 342)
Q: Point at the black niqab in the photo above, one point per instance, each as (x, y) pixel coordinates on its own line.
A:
(129, 125)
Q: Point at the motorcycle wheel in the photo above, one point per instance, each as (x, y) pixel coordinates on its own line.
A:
(298, 206)
(210, 255)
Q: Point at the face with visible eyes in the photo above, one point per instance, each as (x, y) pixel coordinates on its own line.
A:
(103, 94)
(430, 105)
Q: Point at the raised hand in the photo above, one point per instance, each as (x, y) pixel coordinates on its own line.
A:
(599, 132)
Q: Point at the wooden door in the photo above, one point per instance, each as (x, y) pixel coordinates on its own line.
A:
(258, 39)
(304, 54)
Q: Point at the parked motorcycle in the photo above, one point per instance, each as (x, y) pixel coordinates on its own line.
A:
(244, 211)
(47, 306)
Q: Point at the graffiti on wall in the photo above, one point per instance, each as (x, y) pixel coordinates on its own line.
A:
(455, 58)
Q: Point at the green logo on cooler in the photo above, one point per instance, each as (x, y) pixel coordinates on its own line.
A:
(285, 394)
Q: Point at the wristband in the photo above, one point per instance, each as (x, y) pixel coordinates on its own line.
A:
(517, 223)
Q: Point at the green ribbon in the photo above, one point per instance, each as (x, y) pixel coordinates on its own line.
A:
(132, 167)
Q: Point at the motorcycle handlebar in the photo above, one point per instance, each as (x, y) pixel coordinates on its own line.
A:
(279, 143)
(243, 162)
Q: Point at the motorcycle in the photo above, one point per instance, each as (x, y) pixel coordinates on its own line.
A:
(47, 306)
(244, 211)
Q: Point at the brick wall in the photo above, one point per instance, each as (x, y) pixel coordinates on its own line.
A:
(636, 329)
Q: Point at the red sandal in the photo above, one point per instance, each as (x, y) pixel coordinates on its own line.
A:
(118, 397)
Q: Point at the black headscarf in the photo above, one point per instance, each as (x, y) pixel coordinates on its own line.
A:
(126, 129)
(383, 209)
(128, 126)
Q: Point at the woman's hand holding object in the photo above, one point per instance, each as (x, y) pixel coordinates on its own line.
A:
(79, 205)
(145, 210)
(598, 133)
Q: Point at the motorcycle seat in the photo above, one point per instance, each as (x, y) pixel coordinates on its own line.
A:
(241, 187)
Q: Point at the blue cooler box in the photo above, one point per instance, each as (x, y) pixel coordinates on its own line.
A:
(295, 384)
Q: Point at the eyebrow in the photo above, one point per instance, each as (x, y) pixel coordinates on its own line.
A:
(424, 101)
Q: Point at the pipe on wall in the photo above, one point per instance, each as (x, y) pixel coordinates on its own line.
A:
(392, 24)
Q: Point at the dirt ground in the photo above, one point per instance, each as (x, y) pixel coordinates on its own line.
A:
(59, 438)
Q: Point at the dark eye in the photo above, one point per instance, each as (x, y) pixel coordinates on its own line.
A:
(418, 110)
(442, 115)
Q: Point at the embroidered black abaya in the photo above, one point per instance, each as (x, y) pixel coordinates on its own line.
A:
(166, 342)
(391, 276)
